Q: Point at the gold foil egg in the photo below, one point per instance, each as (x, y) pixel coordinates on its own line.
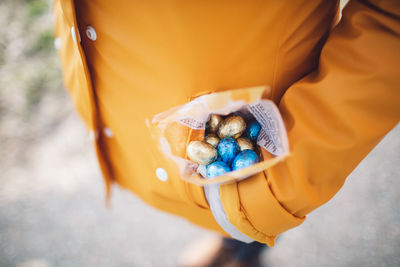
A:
(214, 122)
(201, 152)
(212, 139)
(244, 143)
(233, 127)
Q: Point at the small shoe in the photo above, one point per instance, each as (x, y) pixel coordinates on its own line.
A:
(207, 252)
(238, 263)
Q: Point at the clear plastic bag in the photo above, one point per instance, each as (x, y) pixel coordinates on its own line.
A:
(175, 128)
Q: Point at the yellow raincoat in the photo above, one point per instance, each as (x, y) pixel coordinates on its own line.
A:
(337, 88)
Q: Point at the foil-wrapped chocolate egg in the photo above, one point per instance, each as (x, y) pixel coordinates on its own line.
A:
(212, 139)
(233, 126)
(244, 159)
(217, 168)
(252, 130)
(201, 152)
(213, 123)
(244, 143)
(228, 149)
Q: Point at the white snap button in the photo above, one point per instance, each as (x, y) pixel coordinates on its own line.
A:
(162, 174)
(91, 33)
(73, 33)
(57, 43)
(107, 131)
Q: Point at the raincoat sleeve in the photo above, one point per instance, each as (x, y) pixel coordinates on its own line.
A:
(334, 117)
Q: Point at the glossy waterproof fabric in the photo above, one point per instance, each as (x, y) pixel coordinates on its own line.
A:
(337, 90)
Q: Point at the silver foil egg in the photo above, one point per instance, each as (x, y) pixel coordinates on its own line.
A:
(214, 123)
(244, 143)
(201, 152)
(212, 139)
(233, 127)
(202, 170)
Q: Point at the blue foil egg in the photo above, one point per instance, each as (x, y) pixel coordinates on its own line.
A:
(217, 168)
(227, 149)
(253, 129)
(244, 159)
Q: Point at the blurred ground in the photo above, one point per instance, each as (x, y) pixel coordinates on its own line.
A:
(52, 197)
